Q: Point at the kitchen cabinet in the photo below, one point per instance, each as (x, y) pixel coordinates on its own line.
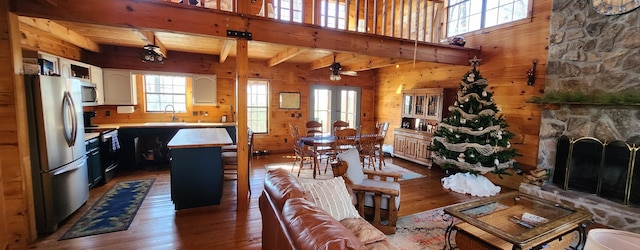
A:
(96, 77)
(74, 69)
(204, 90)
(119, 88)
(94, 162)
(412, 145)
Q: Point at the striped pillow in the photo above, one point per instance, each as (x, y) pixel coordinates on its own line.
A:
(332, 196)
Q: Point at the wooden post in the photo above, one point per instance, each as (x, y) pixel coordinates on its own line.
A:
(242, 68)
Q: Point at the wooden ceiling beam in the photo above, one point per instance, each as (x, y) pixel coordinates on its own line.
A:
(284, 55)
(61, 32)
(328, 60)
(159, 15)
(150, 38)
(225, 48)
(375, 63)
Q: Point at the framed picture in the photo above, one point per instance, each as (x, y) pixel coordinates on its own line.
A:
(289, 100)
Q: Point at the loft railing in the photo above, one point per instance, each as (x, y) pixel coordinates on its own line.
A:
(419, 20)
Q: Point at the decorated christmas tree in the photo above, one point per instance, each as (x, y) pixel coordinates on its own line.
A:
(474, 139)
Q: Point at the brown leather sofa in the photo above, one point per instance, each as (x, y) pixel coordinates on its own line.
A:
(290, 221)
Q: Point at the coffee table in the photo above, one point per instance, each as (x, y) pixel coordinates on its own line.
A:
(497, 222)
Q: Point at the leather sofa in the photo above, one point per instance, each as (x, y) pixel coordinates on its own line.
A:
(290, 221)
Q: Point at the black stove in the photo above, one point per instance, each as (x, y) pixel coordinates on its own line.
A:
(109, 150)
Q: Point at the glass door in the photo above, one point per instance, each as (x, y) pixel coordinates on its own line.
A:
(330, 103)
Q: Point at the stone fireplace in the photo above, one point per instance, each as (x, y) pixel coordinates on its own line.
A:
(590, 53)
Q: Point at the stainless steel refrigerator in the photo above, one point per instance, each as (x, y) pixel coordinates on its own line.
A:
(58, 161)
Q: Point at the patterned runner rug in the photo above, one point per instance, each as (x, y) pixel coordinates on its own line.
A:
(307, 173)
(113, 212)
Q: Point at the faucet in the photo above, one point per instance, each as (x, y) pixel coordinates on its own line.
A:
(174, 118)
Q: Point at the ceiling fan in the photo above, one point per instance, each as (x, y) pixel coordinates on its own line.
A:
(336, 71)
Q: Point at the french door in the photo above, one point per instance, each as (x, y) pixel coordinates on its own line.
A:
(330, 103)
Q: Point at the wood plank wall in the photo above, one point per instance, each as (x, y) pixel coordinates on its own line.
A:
(285, 77)
(507, 53)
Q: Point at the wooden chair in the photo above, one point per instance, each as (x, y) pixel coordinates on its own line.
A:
(338, 125)
(382, 132)
(314, 128)
(377, 200)
(302, 152)
(367, 148)
(230, 161)
(345, 139)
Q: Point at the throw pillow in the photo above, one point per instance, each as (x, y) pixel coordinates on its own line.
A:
(354, 171)
(364, 231)
(332, 196)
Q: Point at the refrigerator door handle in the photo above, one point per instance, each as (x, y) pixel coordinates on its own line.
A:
(68, 112)
(74, 116)
(69, 168)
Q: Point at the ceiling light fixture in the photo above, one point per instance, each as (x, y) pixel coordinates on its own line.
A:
(150, 54)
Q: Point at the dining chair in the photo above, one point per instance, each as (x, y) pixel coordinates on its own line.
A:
(313, 128)
(303, 153)
(230, 161)
(338, 125)
(345, 139)
(382, 133)
(367, 149)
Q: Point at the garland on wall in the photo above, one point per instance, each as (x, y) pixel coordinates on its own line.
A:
(474, 139)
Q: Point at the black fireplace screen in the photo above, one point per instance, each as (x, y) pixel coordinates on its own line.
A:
(606, 169)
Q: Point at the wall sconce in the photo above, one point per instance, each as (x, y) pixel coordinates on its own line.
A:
(531, 73)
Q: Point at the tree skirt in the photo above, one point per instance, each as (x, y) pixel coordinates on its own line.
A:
(466, 183)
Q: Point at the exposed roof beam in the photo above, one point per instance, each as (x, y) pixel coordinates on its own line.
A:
(184, 19)
(328, 60)
(150, 38)
(61, 32)
(376, 63)
(284, 55)
(48, 2)
(224, 51)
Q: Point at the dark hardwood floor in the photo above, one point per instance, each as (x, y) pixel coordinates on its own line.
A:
(158, 226)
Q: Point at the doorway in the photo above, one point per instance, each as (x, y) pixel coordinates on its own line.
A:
(331, 103)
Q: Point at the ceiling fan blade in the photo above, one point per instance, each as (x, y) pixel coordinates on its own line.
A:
(349, 73)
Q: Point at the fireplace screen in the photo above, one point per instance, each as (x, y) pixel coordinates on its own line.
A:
(606, 169)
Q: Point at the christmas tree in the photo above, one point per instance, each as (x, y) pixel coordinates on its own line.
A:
(473, 139)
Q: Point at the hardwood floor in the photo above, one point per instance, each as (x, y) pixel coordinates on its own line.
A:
(158, 226)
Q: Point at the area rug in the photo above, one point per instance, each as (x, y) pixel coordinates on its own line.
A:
(307, 173)
(113, 212)
(424, 230)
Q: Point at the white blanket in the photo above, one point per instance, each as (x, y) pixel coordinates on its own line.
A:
(466, 183)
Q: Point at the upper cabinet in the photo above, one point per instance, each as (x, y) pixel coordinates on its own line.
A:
(119, 87)
(73, 69)
(96, 77)
(204, 90)
(421, 107)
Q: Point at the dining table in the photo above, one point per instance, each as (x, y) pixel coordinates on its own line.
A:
(320, 142)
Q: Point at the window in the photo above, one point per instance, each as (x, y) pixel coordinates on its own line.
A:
(470, 15)
(258, 105)
(330, 103)
(163, 90)
(328, 13)
(284, 9)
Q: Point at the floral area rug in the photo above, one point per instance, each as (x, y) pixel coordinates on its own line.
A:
(113, 212)
(424, 230)
(307, 170)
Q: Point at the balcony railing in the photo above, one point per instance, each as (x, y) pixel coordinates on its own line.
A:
(419, 20)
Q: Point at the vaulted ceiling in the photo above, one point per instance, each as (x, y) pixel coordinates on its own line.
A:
(205, 33)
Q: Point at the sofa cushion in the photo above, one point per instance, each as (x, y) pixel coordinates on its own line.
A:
(384, 202)
(362, 229)
(354, 170)
(281, 185)
(312, 228)
(332, 196)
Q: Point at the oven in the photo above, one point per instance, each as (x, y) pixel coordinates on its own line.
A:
(109, 151)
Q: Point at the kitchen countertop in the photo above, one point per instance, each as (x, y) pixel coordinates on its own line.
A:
(200, 137)
(89, 136)
(165, 125)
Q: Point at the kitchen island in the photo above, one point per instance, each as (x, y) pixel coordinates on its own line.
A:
(196, 166)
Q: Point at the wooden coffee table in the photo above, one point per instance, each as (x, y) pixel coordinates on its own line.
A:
(497, 223)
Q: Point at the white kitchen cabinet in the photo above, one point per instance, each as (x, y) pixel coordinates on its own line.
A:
(65, 67)
(96, 77)
(119, 87)
(204, 90)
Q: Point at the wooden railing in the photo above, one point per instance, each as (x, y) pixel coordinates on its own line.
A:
(420, 20)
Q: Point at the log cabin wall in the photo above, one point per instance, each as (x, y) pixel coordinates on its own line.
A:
(285, 77)
(507, 54)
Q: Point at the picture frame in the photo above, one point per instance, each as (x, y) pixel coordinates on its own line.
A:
(289, 100)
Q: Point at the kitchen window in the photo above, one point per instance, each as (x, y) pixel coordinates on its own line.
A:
(258, 105)
(470, 15)
(163, 90)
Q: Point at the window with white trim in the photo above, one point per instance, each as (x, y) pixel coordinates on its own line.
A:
(288, 10)
(164, 90)
(258, 105)
(469, 15)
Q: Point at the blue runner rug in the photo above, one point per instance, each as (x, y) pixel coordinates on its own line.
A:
(113, 212)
